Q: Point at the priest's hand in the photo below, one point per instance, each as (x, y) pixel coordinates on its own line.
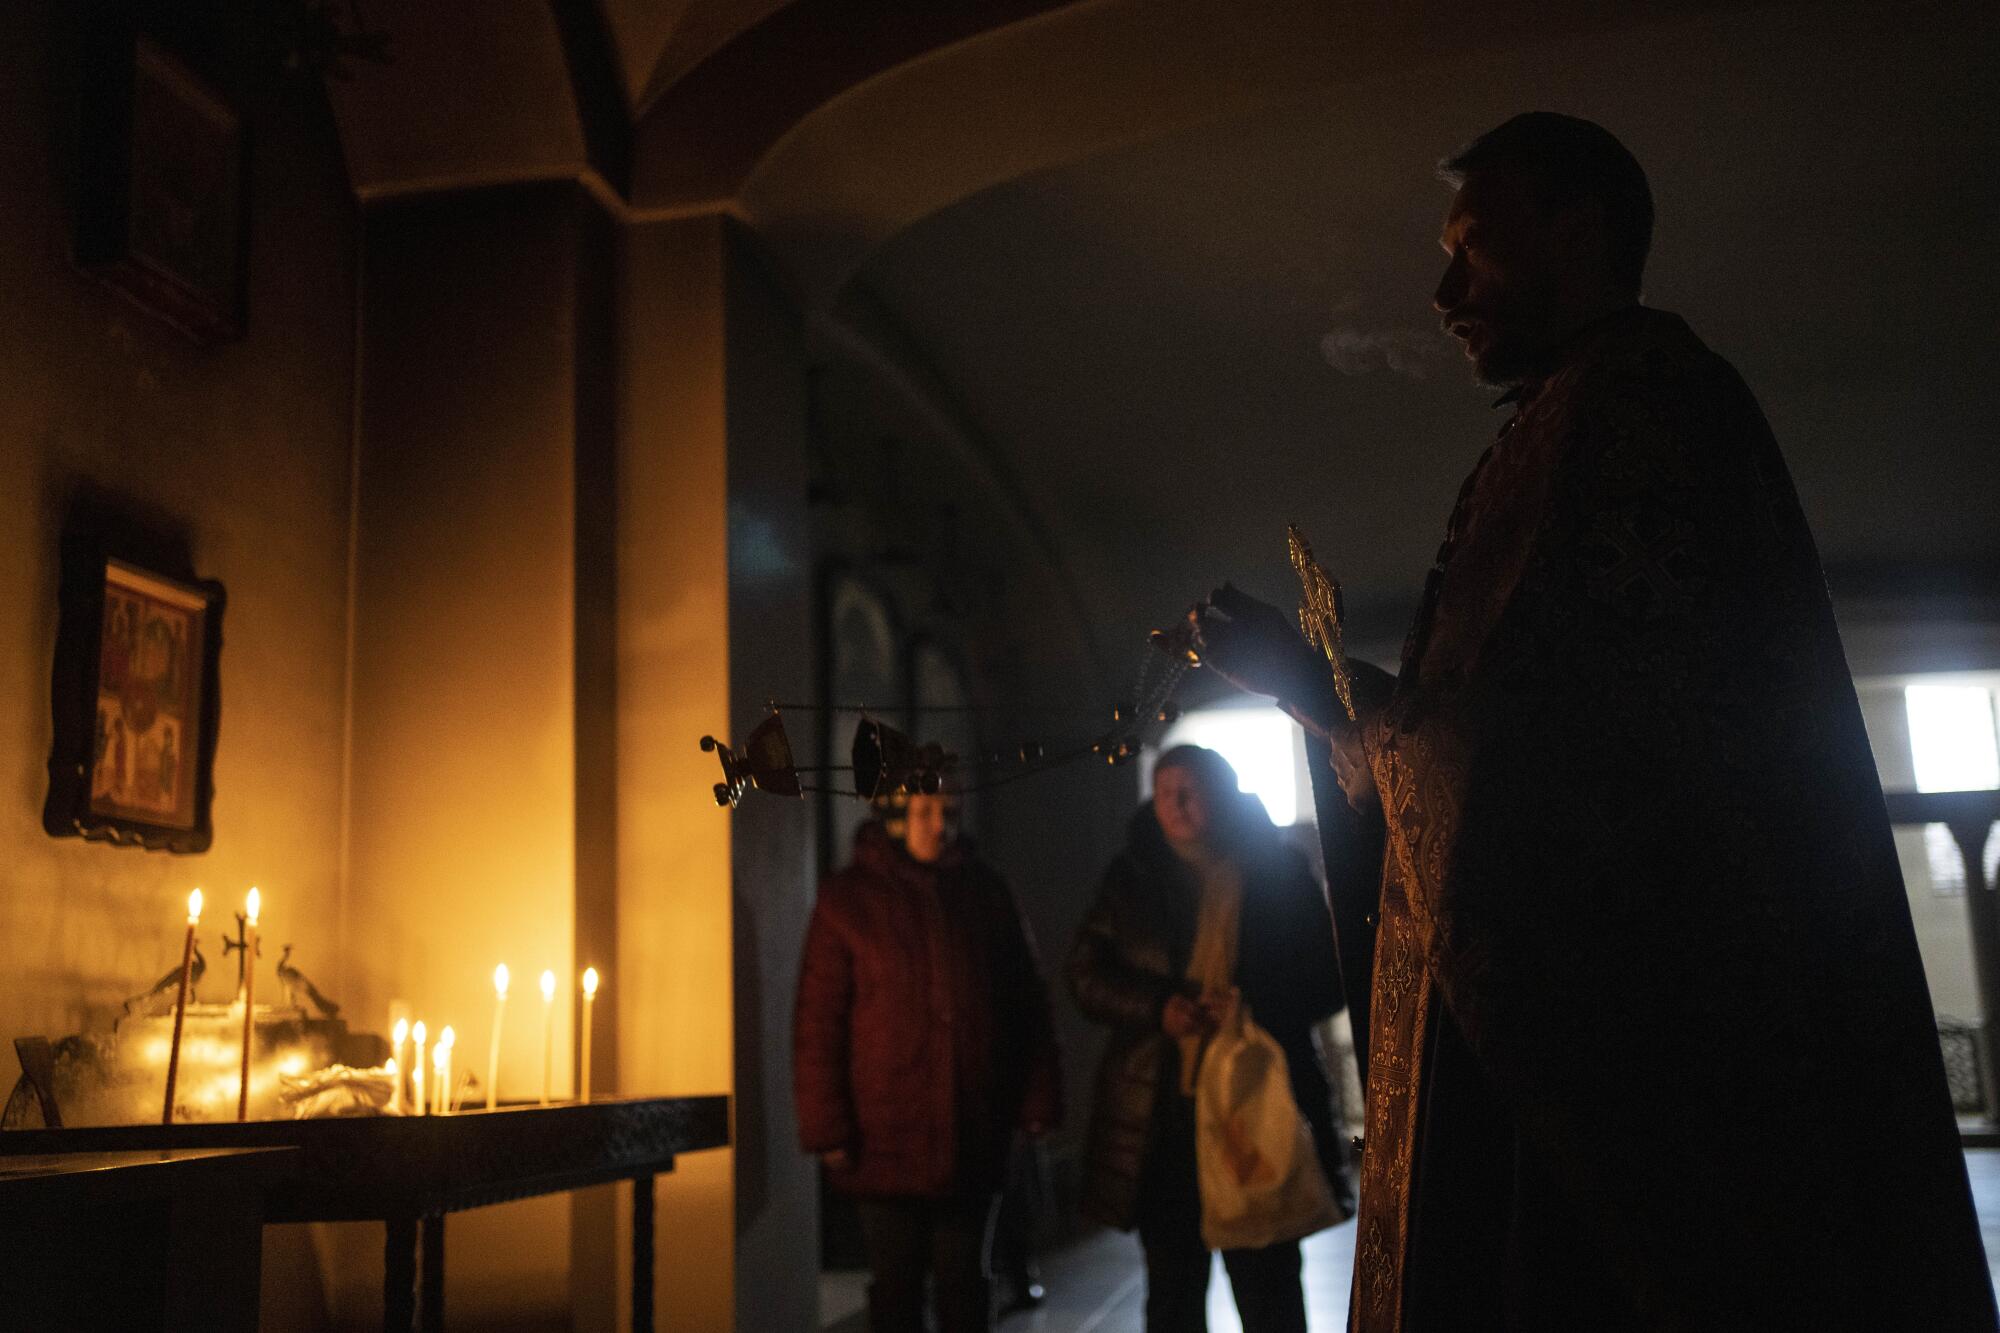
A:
(1372, 687)
(1351, 771)
(840, 1159)
(1257, 648)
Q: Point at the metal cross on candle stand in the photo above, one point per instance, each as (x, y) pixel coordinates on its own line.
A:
(238, 944)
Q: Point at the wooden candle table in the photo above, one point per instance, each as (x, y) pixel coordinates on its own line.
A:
(410, 1171)
(143, 1242)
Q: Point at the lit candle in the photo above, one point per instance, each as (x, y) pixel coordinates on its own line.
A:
(250, 910)
(417, 1106)
(589, 1001)
(180, 1006)
(441, 1058)
(493, 1051)
(548, 1032)
(400, 1035)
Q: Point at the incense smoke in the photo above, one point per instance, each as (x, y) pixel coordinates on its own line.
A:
(1354, 350)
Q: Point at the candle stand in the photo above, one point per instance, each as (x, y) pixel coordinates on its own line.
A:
(409, 1172)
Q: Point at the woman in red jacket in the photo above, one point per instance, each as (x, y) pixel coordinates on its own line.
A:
(921, 1042)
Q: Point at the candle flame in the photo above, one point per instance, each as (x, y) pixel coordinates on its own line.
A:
(440, 1054)
(590, 981)
(390, 1065)
(253, 905)
(194, 908)
(500, 976)
(402, 1031)
(447, 1038)
(548, 985)
(419, 1032)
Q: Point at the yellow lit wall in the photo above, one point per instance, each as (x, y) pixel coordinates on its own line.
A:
(462, 840)
(384, 473)
(675, 1033)
(243, 448)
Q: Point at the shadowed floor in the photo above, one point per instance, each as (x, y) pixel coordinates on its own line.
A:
(1098, 1286)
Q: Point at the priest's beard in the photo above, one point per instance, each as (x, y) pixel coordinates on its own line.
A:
(1516, 334)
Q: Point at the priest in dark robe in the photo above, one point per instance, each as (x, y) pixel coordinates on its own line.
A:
(1648, 1042)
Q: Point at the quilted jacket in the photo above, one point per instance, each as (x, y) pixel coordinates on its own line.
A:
(1131, 953)
(921, 1037)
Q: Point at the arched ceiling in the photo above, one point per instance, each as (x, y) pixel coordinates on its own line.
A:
(1087, 79)
(1180, 344)
(1171, 257)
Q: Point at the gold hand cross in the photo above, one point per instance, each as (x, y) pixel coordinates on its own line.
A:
(1321, 614)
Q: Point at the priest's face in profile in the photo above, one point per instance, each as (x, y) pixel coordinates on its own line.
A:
(1501, 294)
(1180, 804)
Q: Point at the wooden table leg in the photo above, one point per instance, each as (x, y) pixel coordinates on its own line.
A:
(642, 1254)
(399, 1275)
(430, 1315)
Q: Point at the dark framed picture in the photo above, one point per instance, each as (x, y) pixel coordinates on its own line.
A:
(136, 703)
(161, 214)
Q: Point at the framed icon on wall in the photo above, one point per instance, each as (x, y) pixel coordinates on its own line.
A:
(135, 702)
(162, 213)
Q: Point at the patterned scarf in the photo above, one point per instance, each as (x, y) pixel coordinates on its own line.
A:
(1218, 918)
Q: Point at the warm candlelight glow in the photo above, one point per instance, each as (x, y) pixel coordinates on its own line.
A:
(441, 1067)
(418, 1105)
(251, 907)
(589, 1003)
(548, 1033)
(180, 1008)
(398, 1035)
(500, 978)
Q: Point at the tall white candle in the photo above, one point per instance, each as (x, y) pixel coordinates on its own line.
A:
(398, 1036)
(417, 1104)
(493, 1051)
(441, 1058)
(589, 1002)
(548, 1032)
(250, 910)
(180, 1006)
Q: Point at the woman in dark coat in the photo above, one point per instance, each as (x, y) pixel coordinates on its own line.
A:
(921, 1043)
(1129, 969)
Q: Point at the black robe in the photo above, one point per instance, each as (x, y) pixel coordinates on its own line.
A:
(1648, 1044)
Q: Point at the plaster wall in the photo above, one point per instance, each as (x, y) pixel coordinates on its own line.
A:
(467, 480)
(673, 896)
(772, 847)
(464, 754)
(243, 450)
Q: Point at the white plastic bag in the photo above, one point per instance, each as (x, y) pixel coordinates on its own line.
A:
(1261, 1181)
